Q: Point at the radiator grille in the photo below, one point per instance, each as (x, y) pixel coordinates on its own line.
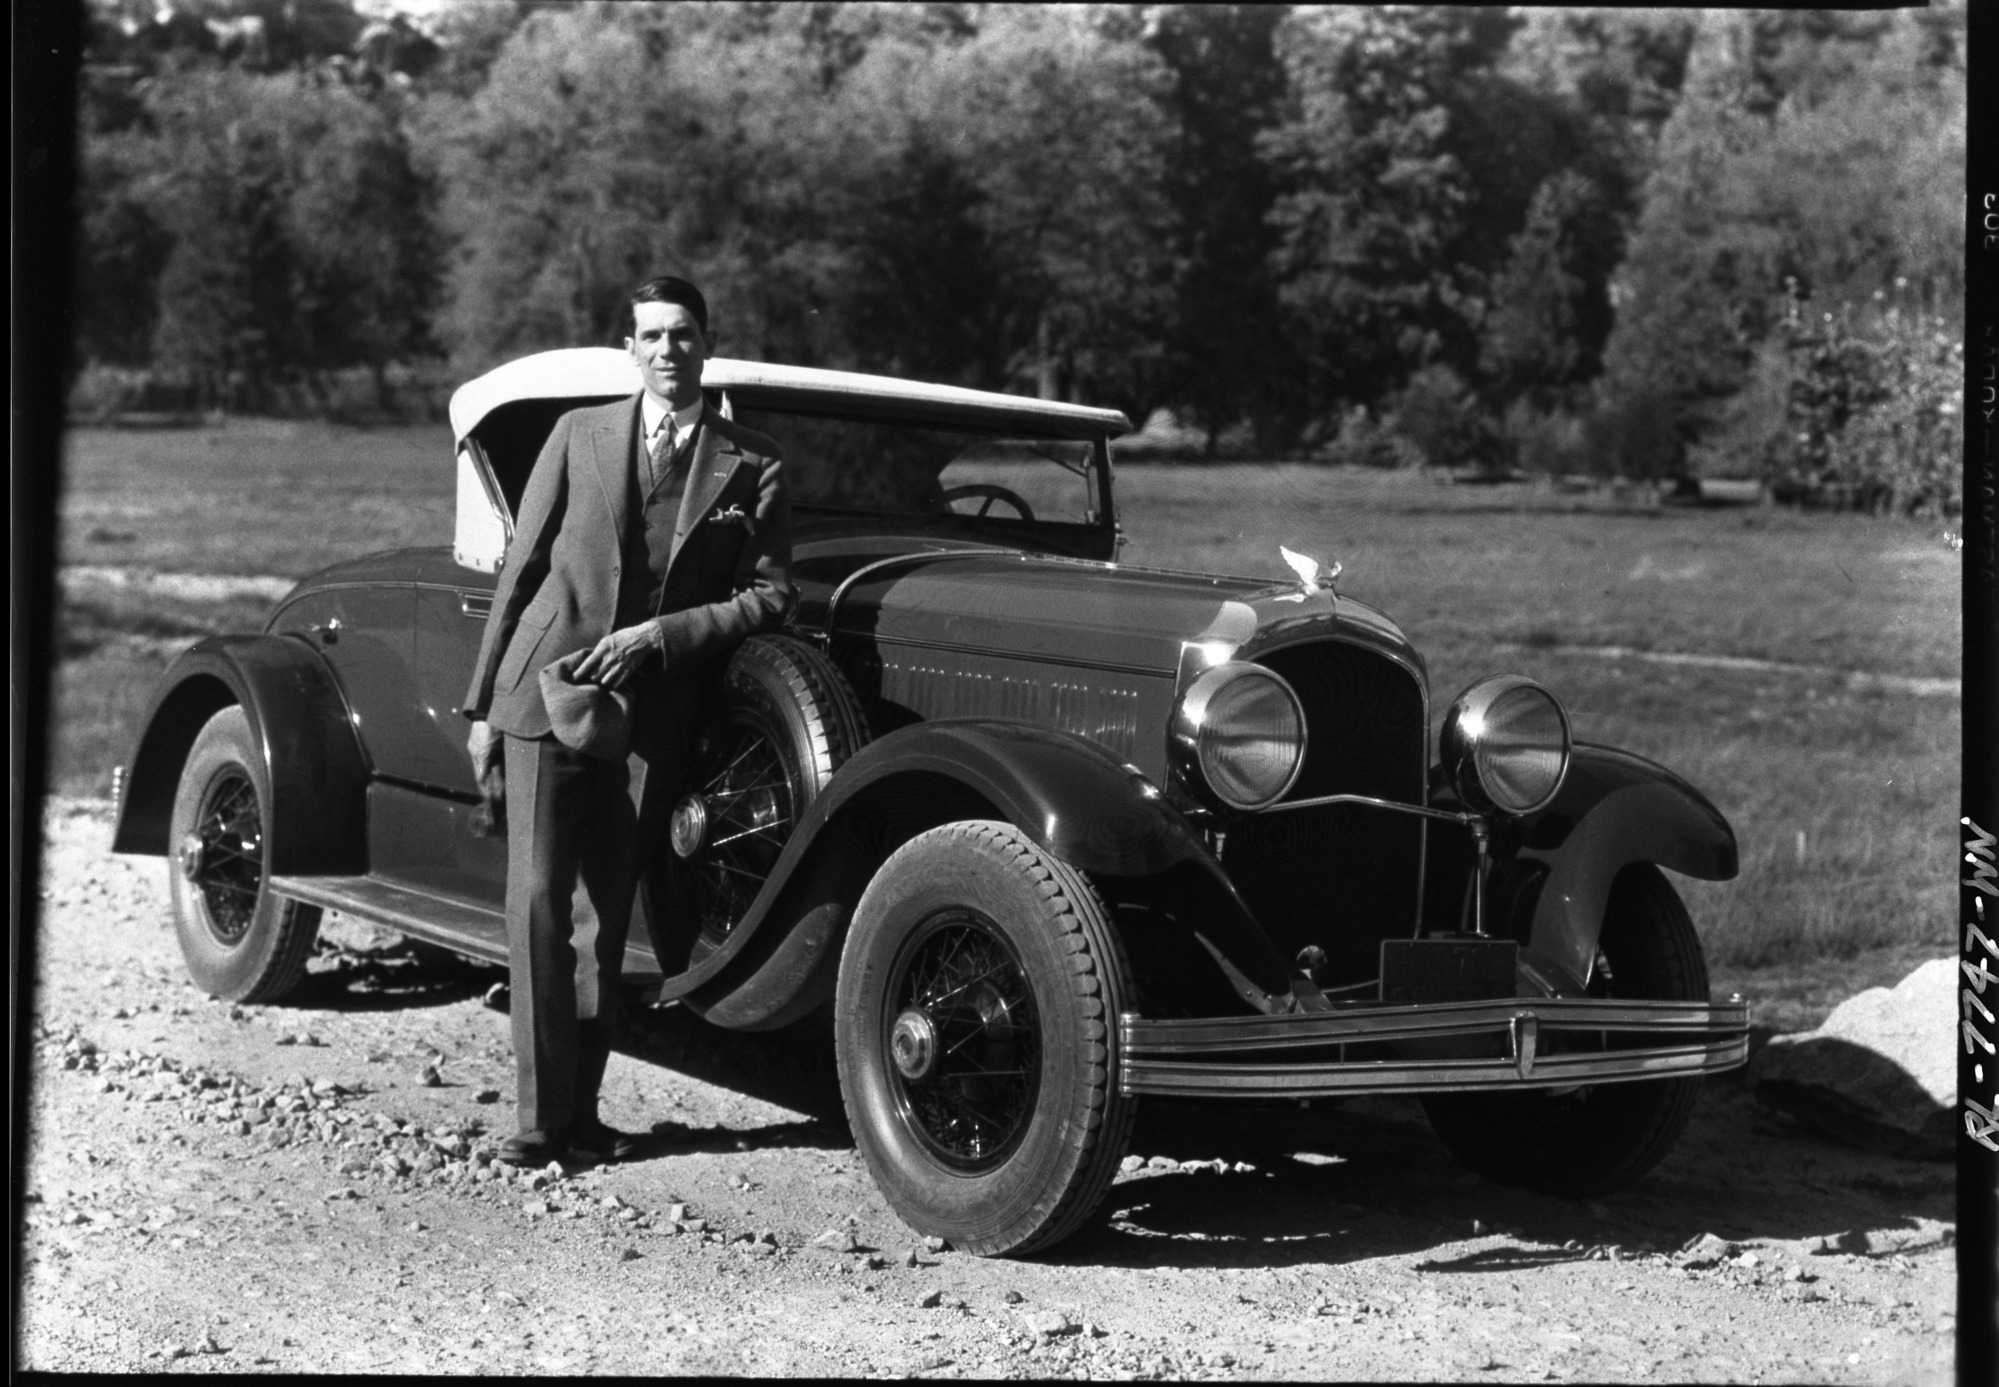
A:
(1343, 877)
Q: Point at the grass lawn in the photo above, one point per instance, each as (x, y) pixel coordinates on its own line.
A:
(253, 496)
(1842, 793)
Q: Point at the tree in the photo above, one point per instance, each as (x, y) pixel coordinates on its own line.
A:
(929, 292)
(1544, 331)
(1865, 157)
(612, 143)
(1052, 115)
(1368, 196)
(812, 171)
(1378, 246)
(1692, 296)
(1817, 152)
(1623, 68)
(298, 230)
(1223, 358)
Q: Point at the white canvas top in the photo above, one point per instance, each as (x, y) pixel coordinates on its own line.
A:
(584, 372)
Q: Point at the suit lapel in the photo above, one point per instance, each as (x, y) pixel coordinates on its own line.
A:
(715, 461)
(615, 442)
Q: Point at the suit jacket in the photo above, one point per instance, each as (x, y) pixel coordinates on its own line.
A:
(728, 575)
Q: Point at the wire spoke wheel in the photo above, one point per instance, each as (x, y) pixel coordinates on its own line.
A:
(225, 863)
(975, 1023)
(749, 789)
(239, 939)
(962, 1028)
(787, 721)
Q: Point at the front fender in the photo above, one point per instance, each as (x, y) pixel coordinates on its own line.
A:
(1070, 795)
(318, 775)
(1073, 798)
(1614, 809)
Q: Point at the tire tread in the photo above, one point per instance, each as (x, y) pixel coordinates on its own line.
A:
(294, 926)
(1099, 1126)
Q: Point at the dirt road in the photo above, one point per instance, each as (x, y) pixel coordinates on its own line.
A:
(307, 1188)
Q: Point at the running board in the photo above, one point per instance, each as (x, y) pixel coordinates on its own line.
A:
(473, 930)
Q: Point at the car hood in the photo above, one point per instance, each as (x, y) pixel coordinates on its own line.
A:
(1101, 615)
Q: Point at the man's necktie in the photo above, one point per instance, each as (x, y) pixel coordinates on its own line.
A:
(660, 460)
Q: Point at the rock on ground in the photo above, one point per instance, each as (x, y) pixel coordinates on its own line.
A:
(1880, 1072)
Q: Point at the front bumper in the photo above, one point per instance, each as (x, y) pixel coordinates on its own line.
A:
(1432, 1047)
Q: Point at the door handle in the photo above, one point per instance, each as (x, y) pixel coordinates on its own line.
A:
(327, 631)
(476, 605)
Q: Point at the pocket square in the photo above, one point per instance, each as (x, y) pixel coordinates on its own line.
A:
(734, 515)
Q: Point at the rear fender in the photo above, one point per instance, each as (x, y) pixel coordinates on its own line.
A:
(1074, 799)
(317, 818)
(1614, 809)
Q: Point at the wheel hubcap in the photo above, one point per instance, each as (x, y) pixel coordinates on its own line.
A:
(189, 857)
(913, 1044)
(690, 825)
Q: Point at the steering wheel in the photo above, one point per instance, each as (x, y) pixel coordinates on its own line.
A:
(992, 491)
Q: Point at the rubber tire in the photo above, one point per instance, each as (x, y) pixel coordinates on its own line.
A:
(267, 963)
(805, 692)
(801, 695)
(1057, 1174)
(1599, 1138)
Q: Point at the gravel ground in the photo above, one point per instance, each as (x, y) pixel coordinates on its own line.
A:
(309, 1187)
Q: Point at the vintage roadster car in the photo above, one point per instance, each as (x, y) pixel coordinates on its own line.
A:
(1045, 832)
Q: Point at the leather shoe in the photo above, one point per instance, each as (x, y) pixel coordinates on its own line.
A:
(594, 1141)
(535, 1148)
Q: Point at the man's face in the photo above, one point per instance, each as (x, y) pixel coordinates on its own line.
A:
(671, 349)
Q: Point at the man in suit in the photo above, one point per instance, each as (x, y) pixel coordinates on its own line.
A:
(653, 536)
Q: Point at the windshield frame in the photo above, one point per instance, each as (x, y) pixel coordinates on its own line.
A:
(1099, 528)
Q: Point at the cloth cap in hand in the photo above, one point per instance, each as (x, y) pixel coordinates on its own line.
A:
(586, 717)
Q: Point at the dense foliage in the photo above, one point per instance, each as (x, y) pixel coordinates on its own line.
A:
(1572, 240)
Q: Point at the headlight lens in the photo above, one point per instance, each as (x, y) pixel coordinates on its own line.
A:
(1506, 745)
(1239, 735)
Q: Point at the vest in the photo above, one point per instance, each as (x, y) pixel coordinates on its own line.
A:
(649, 534)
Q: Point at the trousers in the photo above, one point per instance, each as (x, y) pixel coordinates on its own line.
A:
(572, 841)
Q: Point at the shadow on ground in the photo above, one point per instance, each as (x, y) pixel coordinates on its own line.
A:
(1327, 1184)
(398, 976)
(1368, 1179)
(792, 1068)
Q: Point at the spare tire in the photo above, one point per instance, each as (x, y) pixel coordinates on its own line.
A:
(788, 720)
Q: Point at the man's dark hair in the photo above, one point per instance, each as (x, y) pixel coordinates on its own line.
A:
(673, 289)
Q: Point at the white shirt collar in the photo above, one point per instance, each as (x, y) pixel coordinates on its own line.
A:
(652, 413)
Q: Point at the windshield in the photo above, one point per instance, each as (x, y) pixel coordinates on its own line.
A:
(874, 466)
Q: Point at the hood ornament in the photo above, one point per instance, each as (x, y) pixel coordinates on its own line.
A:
(1312, 578)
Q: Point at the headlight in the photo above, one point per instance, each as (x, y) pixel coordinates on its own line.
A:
(1239, 735)
(1506, 745)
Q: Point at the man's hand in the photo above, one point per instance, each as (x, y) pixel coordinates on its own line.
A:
(483, 744)
(617, 657)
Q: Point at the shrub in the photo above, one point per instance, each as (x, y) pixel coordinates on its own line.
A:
(1438, 413)
(102, 392)
(1635, 436)
(1549, 444)
(406, 394)
(1869, 408)
(1903, 453)
(1362, 440)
